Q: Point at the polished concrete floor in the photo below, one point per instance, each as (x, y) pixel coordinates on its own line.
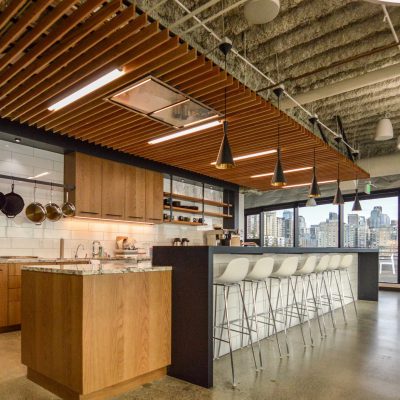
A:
(360, 361)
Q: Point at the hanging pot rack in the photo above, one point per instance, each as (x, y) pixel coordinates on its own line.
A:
(38, 182)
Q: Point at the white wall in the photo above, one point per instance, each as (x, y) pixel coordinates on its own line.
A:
(21, 237)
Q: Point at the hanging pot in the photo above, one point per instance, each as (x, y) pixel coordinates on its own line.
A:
(53, 211)
(2, 200)
(35, 212)
(14, 204)
(68, 208)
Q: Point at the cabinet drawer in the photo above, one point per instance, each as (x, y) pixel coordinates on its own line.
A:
(14, 269)
(14, 313)
(14, 281)
(14, 295)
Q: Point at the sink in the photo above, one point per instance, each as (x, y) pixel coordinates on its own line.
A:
(18, 257)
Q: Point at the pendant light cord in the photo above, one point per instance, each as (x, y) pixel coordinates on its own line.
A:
(225, 91)
(279, 121)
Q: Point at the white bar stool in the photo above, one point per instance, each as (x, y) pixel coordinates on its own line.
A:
(285, 272)
(233, 275)
(303, 273)
(259, 274)
(345, 264)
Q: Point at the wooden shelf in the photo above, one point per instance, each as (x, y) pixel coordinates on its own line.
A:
(184, 210)
(196, 200)
(167, 221)
(188, 211)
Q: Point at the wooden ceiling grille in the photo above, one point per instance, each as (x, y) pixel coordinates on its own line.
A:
(50, 49)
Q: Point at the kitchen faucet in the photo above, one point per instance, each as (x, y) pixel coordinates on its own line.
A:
(77, 249)
(96, 253)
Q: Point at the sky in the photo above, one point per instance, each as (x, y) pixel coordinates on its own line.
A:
(315, 215)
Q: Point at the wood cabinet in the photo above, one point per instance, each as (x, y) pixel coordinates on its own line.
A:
(113, 190)
(110, 190)
(3, 294)
(135, 194)
(85, 173)
(154, 197)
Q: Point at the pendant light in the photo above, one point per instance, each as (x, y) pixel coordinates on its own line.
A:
(225, 157)
(278, 179)
(356, 204)
(314, 187)
(338, 199)
(311, 202)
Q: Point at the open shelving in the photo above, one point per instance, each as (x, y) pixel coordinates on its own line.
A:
(167, 221)
(197, 200)
(190, 211)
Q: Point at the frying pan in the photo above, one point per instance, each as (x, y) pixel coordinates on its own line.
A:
(2, 200)
(53, 211)
(35, 212)
(68, 208)
(14, 204)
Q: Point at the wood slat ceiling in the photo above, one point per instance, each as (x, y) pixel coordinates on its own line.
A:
(51, 49)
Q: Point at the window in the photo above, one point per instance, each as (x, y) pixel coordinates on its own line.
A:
(375, 227)
(253, 227)
(279, 228)
(319, 226)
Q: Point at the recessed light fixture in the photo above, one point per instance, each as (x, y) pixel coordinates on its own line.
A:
(17, 140)
(252, 155)
(185, 132)
(39, 175)
(287, 171)
(307, 184)
(91, 87)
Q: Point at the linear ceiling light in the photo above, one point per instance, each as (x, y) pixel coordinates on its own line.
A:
(287, 171)
(91, 87)
(38, 175)
(252, 155)
(185, 132)
(307, 184)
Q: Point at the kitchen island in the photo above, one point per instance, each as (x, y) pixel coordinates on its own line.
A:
(192, 296)
(88, 334)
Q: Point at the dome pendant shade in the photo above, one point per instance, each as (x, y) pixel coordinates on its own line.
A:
(384, 130)
(356, 205)
(278, 178)
(259, 12)
(311, 202)
(338, 196)
(314, 188)
(225, 158)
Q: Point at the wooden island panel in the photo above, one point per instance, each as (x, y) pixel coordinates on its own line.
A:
(94, 336)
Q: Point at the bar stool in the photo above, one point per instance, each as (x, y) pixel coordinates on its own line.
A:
(233, 275)
(333, 266)
(285, 272)
(320, 283)
(303, 273)
(345, 264)
(258, 276)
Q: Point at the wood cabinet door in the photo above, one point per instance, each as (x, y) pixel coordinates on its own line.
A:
(135, 194)
(88, 182)
(154, 197)
(113, 190)
(3, 294)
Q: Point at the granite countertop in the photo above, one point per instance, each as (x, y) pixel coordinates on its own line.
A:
(83, 269)
(33, 260)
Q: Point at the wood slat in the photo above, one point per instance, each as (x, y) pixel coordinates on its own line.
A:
(9, 13)
(69, 41)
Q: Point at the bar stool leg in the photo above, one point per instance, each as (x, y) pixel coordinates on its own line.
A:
(215, 318)
(248, 325)
(303, 290)
(226, 293)
(221, 332)
(256, 322)
(352, 294)
(284, 324)
(290, 283)
(329, 297)
(272, 315)
(340, 294)
(319, 293)
(291, 306)
(316, 308)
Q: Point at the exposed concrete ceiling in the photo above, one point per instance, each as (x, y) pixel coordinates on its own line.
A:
(307, 37)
